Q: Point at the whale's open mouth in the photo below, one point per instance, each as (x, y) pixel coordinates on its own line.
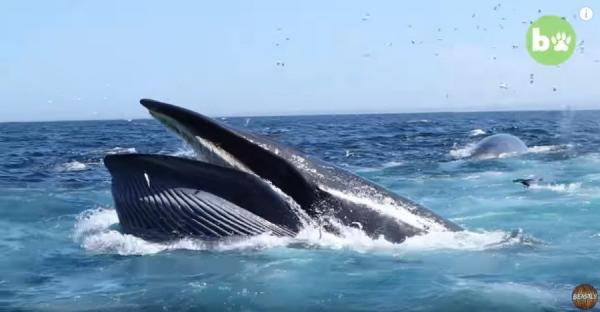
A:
(244, 184)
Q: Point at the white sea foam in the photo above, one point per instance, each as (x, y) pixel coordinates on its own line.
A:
(482, 216)
(548, 148)
(462, 152)
(484, 174)
(185, 151)
(467, 151)
(463, 240)
(73, 166)
(477, 132)
(95, 232)
(472, 177)
(501, 155)
(419, 121)
(386, 165)
(559, 188)
(122, 150)
(94, 220)
(366, 169)
(391, 164)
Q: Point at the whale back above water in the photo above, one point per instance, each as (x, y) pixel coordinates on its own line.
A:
(498, 145)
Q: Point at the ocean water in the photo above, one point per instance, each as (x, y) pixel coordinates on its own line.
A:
(523, 249)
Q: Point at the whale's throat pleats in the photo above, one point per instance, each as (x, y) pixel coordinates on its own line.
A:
(162, 197)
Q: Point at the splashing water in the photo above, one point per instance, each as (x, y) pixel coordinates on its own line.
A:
(122, 150)
(561, 188)
(466, 151)
(73, 166)
(95, 231)
(477, 132)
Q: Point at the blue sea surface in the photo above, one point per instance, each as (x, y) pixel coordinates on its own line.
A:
(523, 249)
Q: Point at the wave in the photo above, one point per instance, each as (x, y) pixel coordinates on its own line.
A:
(462, 152)
(122, 150)
(392, 164)
(466, 151)
(484, 174)
(592, 157)
(482, 216)
(73, 166)
(386, 165)
(419, 121)
(95, 231)
(548, 148)
(477, 132)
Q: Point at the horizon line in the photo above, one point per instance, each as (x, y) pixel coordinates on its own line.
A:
(315, 114)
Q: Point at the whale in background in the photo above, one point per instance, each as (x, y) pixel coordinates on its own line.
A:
(498, 145)
(245, 184)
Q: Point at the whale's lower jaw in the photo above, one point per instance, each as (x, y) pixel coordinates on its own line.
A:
(164, 197)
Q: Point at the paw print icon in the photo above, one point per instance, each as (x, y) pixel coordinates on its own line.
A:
(561, 42)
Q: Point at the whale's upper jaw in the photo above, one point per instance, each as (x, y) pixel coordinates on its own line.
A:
(203, 134)
(182, 116)
(223, 146)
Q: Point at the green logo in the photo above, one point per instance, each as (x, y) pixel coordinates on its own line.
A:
(551, 40)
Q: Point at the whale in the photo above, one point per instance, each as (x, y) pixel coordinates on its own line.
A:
(240, 184)
(498, 145)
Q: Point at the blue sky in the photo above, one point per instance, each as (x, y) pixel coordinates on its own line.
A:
(94, 59)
